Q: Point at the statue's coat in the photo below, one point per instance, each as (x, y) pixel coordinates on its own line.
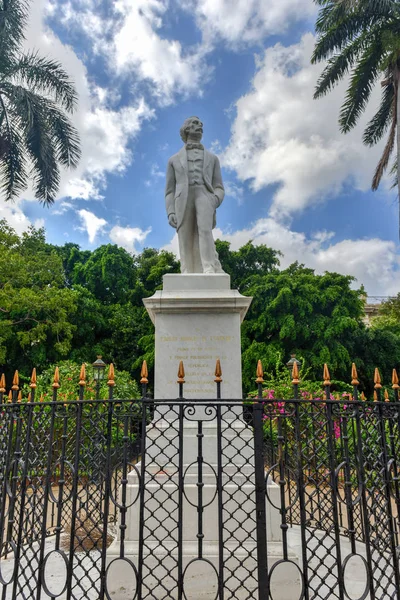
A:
(177, 185)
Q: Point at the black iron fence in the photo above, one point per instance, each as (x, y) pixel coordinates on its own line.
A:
(126, 499)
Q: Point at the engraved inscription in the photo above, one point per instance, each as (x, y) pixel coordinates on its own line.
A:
(199, 354)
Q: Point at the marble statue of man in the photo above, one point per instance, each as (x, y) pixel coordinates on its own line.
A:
(194, 190)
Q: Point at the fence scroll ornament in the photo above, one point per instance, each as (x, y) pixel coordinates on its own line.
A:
(327, 471)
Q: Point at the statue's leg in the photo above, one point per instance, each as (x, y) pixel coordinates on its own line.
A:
(197, 264)
(204, 216)
(186, 235)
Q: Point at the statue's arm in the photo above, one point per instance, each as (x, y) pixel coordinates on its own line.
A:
(170, 189)
(217, 183)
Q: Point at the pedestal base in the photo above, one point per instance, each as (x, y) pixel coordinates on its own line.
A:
(197, 319)
(200, 576)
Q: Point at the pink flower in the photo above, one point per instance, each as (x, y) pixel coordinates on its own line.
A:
(336, 430)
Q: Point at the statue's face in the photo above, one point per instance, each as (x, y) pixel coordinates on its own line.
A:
(195, 129)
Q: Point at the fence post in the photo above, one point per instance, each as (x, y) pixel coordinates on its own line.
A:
(261, 517)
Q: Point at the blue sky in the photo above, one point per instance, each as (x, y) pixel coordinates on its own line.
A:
(293, 181)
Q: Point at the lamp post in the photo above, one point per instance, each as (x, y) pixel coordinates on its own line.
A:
(293, 360)
(99, 368)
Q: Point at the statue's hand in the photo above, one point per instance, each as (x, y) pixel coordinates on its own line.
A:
(172, 220)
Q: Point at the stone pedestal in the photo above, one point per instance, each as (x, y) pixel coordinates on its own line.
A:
(197, 320)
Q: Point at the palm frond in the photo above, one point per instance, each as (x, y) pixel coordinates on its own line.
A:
(393, 173)
(387, 152)
(65, 138)
(339, 65)
(45, 171)
(335, 11)
(31, 110)
(361, 83)
(44, 75)
(13, 175)
(343, 32)
(379, 123)
(13, 19)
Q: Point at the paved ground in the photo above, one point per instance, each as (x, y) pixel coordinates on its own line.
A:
(322, 585)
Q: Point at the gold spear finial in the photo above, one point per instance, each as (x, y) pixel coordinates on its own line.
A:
(327, 376)
(181, 373)
(10, 398)
(15, 385)
(111, 376)
(19, 399)
(41, 397)
(144, 374)
(386, 396)
(218, 372)
(363, 397)
(3, 384)
(29, 397)
(56, 381)
(395, 380)
(33, 379)
(354, 375)
(377, 380)
(260, 372)
(82, 375)
(375, 396)
(295, 374)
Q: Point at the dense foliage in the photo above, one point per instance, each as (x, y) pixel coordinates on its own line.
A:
(69, 373)
(59, 302)
(36, 99)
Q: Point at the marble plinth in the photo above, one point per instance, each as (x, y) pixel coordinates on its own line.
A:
(197, 320)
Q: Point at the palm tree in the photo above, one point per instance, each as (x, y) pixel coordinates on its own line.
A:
(362, 37)
(36, 135)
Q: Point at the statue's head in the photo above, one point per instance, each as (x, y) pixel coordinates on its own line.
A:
(192, 128)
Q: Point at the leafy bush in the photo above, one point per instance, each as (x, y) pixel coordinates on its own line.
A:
(125, 388)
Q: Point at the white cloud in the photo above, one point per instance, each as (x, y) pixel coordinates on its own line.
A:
(282, 136)
(39, 223)
(138, 45)
(247, 21)
(234, 191)
(61, 207)
(91, 224)
(14, 215)
(156, 171)
(131, 40)
(374, 262)
(128, 237)
(106, 132)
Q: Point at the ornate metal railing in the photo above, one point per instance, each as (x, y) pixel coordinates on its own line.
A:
(141, 498)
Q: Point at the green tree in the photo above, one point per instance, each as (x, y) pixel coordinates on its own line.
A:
(295, 310)
(246, 262)
(35, 307)
(388, 317)
(125, 386)
(109, 272)
(374, 347)
(36, 96)
(151, 266)
(363, 37)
